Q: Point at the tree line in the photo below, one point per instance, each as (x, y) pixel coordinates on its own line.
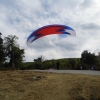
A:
(11, 56)
(87, 61)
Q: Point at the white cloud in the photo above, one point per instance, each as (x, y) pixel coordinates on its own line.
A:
(21, 17)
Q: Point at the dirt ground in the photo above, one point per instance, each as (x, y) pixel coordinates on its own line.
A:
(30, 85)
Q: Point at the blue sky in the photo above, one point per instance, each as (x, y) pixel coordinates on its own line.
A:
(21, 17)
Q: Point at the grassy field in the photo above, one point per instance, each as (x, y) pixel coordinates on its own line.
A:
(22, 85)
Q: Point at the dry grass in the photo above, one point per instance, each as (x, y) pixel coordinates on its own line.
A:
(19, 85)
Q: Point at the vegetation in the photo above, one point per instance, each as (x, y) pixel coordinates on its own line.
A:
(21, 85)
(91, 61)
(2, 55)
(11, 55)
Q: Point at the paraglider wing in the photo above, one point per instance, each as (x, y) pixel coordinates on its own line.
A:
(50, 29)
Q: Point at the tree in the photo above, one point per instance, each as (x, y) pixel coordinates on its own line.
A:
(88, 58)
(72, 63)
(39, 61)
(2, 55)
(12, 50)
(18, 56)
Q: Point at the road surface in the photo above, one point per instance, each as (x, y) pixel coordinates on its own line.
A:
(89, 72)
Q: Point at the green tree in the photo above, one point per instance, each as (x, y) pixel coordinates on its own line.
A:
(39, 62)
(2, 55)
(88, 58)
(12, 50)
(72, 63)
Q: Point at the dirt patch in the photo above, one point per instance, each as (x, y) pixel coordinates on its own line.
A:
(30, 85)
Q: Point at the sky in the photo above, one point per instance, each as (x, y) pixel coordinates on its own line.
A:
(22, 17)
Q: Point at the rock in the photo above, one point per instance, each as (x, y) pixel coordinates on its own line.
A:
(37, 78)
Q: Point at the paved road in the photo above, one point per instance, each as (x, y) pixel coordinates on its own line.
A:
(89, 72)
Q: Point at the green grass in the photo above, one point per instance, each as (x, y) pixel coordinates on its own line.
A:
(19, 85)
